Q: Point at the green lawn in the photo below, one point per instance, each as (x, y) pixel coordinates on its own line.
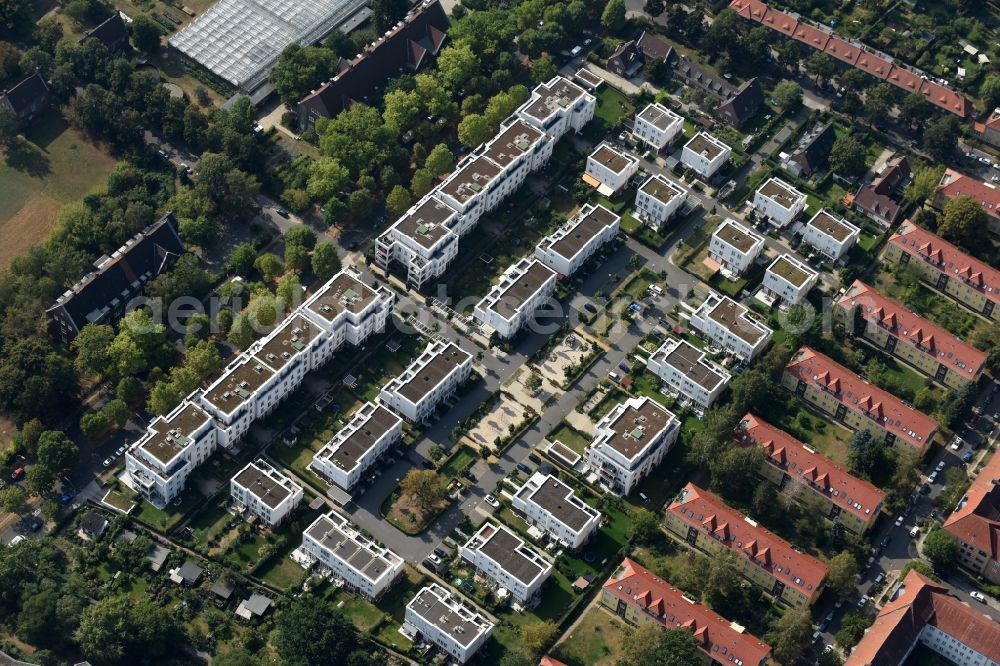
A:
(363, 615)
(459, 463)
(163, 520)
(637, 286)
(209, 524)
(613, 106)
(815, 430)
(571, 437)
(595, 641)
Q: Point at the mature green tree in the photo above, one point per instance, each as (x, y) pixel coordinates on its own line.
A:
(10, 58)
(963, 222)
(989, 91)
(916, 109)
(401, 109)
(10, 128)
(47, 33)
(543, 69)
(941, 137)
(387, 13)
(852, 628)
(242, 333)
(241, 259)
(204, 359)
(302, 236)
(270, 266)
(163, 398)
(290, 292)
(473, 130)
(237, 657)
(186, 278)
(646, 527)
(457, 64)
(820, 65)
(57, 451)
(118, 412)
(327, 177)
(864, 453)
(325, 261)
(15, 14)
(122, 630)
(310, 632)
(35, 381)
(717, 427)
(39, 480)
(879, 102)
(126, 358)
(787, 95)
(38, 60)
(842, 576)
(424, 487)
(95, 425)
(440, 160)
(201, 231)
(398, 200)
(146, 34)
(940, 548)
(359, 140)
(422, 182)
(537, 636)
(735, 471)
(847, 157)
(925, 182)
(790, 635)
(12, 499)
(299, 69)
(91, 347)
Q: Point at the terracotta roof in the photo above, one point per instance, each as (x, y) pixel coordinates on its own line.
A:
(878, 65)
(976, 519)
(926, 336)
(993, 122)
(724, 641)
(549, 661)
(954, 184)
(948, 259)
(857, 395)
(919, 602)
(777, 557)
(851, 494)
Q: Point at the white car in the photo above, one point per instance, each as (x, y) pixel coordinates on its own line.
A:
(20, 537)
(863, 601)
(492, 501)
(978, 596)
(914, 531)
(899, 521)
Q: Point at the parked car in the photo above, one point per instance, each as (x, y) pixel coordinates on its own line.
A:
(932, 478)
(967, 456)
(914, 531)
(107, 462)
(16, 540)
(940, 466)
(879, 578)
(978, 596)
(590, 307)
(524, 468)
(534, 458)
(440, 552)
(863, 601)
(282, 212)
(899, 521)
(17, 474)
(492, 501)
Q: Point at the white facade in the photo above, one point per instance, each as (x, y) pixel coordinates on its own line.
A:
(609, 169)
(553, 507)
(951, 648)
(421, 240)
(362, 564)
(735, 246)
(789, 279)
(576, 241)
(686, 371)
(830, 234)
(727, 324)
(512, 302)
(778, 202)
(658, 199)
(343, 310)
(629, 442)
(370, 433)
(507, 561)
(265, 492)
(442, 618)
(558, 106)
(705, 155)
(434, 376)
(657, 126)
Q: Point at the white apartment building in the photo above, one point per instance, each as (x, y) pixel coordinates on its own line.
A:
(512, 302)
(830, 234)
(505, 560)
(609, 170)
(629, 442)
(370, 433)
(789, 279)
(778, 202)
(576, 241)
(342, 310)
(434, 376)
(558, 106)
(686, 371)
(265, 492)
(553, 507)
(657, 126)
(727, 324)
(421, 240)
(705, 155)
(443, 619)
(735, 246)
(363, 565)
(658, 199)
(158, 464)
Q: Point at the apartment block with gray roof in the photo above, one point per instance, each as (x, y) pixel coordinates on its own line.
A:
(778, 202)
(557, 106)
(658, 200)
(789, 279)
(505, 560)
(356, 447)
(830, 234)
(511, 303)
(657, 126)
(685, 370)
(265, 492)
(578, 239)
(735, 246)
(422, 241)
(433, 377)
(439, 616)
(728, 324)
(550, 505)
(705, 155)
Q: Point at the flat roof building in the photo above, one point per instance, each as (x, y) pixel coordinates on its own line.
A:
(553, 507)
(609, 170)
(778, 202)
(728, 324)
(657, 126)
(370, 433)
(442, 618)
(435, 375)
(557, 106)
(507, 561)
(658, 200)
(830, 234)
(686, 371)
(511, 304)
(789, 279)
(422, 241)
(705, 155)
(578, 239)
(265, 492)
(735, 247)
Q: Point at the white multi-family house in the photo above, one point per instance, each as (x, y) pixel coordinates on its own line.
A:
(658, 199)
(370, 433)
(609, 170)
(265, 492)
(511, 303)
(686, 370)
(246, 391)
(576, 241)
(830, 234)
(789, 279)
(507, 561)
(735, 246)
(558, 106)
(434, 376)
(363, 565)
(705, 155)
(553, 507)
(778, 202)
(657, 126)
(348, 309)
(421, 240)
(440, 617)
(728, 324)
(159, 463)
(629, 442)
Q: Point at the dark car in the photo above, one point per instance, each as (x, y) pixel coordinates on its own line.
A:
(35, 523)
(467, 586)
(428, 564)
(534, 458)
(524, 468)
(282, 212)
(440, 553)
(427, 464)
(589, 307)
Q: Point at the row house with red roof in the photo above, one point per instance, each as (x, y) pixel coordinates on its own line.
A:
(706, 523)
(855, 403)
(942, 266)
(921, 344)
(954, 184)
(975, 524)
(989, 130)
(854, 54)
(852, 502)
(639, 596)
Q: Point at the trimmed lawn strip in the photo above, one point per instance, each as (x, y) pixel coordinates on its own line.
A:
(595, 641)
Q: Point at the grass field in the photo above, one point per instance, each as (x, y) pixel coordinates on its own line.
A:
(59, 168)
(595, 641)
(570, 437)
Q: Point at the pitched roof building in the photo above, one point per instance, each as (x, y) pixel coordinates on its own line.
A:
(27, 98)
(101, 296)
(989, 129)
(113, 32)
(924, 612)
(954, 184)
(975, 523)
(880, 199)
(637, 595)
(812, 150)
(742, 105)
(408, 46)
